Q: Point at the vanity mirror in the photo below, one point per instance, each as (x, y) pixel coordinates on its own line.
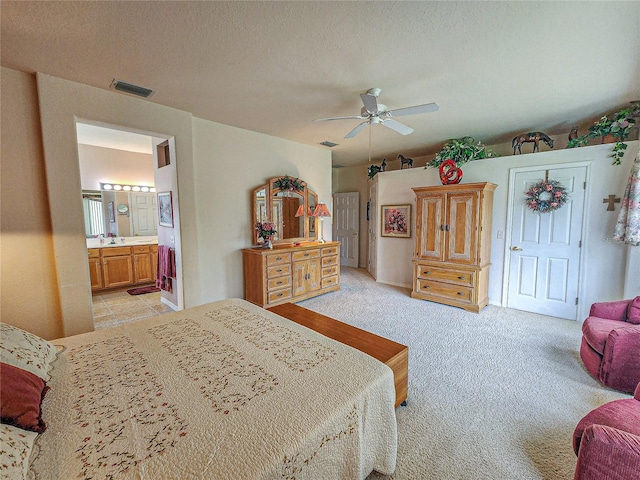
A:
(288, 203)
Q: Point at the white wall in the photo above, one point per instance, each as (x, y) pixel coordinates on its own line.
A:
(99, 164)
(216, 168)
(230, 163)
(604, 274)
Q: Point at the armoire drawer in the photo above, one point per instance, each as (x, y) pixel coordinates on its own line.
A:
(450, 276)
(446, 290)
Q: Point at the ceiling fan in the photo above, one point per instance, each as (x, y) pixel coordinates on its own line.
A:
(373, 112)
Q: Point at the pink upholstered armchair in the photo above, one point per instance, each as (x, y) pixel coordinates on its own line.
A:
(610, 348)
(607, 441)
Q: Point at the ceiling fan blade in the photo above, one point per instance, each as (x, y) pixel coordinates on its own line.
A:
(427, 107)
(352, 117)
(356, 130)
(370, 102)
(397, 126)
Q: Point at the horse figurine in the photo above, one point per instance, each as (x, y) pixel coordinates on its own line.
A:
(573, 134)
(403, 160)
(534, 137)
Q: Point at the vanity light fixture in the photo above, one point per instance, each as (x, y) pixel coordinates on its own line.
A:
(126, 188)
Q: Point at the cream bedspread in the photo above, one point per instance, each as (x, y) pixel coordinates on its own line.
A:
(222, 391)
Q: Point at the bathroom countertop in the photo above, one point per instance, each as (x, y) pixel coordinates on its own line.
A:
(128, 242)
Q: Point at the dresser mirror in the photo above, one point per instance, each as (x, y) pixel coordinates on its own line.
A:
(289, 206)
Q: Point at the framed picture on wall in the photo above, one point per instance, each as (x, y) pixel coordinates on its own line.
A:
(165, 209)
(396, 221)
(112, 212)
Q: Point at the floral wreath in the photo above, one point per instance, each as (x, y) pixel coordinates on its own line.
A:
(546, 196)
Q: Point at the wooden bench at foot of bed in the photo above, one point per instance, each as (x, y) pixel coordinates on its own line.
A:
(393, 354)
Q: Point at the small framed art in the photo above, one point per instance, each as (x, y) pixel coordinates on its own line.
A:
(165, 209)
(396, 221)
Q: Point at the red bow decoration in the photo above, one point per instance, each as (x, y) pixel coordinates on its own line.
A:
(450, 174)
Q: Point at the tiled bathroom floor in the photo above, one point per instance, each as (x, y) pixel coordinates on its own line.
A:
(117, 308)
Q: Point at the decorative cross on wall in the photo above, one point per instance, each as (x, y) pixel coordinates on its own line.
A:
(612, 200)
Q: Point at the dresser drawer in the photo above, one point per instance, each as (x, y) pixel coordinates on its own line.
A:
(329, 251)
(328, 261)
(94, 253)
(449, 276)
(141, 249)
(328, 271)
(278, 295)
(279, 270)
(446, 290)
(278, 283)
(329, 281)
(278, 258)
(306, 255)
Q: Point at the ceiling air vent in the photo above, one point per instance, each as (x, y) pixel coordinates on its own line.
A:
(329, 144)
(131, 88)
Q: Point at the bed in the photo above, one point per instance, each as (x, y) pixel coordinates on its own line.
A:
(225, 390)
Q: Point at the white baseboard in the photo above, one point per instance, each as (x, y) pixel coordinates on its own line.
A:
(171, 305)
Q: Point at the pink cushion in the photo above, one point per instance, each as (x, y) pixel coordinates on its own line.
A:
(633, 312)
(621, 414)
(21, 395)
(596, 330)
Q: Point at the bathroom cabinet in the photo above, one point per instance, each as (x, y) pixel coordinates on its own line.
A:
(122, 266)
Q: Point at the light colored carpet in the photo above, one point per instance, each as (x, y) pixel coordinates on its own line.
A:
(494, 395)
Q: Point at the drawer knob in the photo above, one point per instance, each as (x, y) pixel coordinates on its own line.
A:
(427, 272)
(460, 293)
(460, 278)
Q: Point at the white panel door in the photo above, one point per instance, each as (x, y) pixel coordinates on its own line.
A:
(144, 214)
(346, 226)
(544, 264)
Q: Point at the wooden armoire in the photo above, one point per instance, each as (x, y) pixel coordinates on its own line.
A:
(453, 244)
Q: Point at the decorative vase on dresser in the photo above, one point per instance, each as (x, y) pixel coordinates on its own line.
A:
(453, 244)
(290, 273)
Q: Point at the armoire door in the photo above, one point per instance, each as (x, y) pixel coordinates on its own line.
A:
(460, 228)
(430, 222)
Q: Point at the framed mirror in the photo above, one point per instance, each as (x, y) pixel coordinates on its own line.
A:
(287, 202)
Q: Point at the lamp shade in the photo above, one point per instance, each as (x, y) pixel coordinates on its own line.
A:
(300, 211)
(321, 211)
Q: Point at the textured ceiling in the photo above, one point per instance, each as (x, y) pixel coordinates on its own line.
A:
(495, 68)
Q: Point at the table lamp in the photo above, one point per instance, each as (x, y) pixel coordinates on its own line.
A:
(320, 212)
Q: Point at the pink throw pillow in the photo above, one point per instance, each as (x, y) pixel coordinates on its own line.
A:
(21, 395)
(633, 312)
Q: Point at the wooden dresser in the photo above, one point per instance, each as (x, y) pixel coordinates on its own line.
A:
(290, 274)
(453, 244)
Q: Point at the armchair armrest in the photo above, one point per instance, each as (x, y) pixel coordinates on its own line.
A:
(606, 452)
(613, 310)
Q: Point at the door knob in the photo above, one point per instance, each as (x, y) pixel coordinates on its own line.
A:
(516, 249)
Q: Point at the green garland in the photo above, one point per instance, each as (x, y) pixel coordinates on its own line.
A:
(288, 184)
